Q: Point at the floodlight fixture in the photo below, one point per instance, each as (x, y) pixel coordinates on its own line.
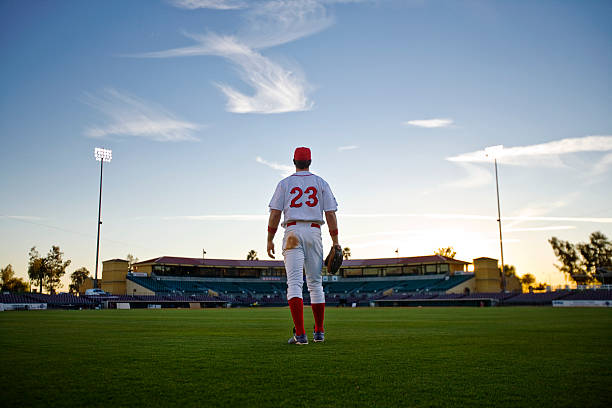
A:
(493, 151)
(103, 154)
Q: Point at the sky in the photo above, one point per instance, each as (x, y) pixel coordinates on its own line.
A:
(204, 101)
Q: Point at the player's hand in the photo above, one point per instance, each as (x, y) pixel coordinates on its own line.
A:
(271, 249)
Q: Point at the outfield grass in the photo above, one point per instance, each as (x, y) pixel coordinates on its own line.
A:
(380, 357)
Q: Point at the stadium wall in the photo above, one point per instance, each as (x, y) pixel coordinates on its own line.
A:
(87, 284)
(114, 276)
(488, 278)
(135, 289)
(513, 284)
(470, 285)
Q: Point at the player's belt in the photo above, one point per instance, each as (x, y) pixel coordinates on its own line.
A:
(314, 224)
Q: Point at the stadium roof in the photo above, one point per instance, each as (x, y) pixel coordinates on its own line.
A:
(173, 260)
(426, 259)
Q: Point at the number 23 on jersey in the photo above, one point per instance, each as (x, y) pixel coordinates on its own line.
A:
(311, 194)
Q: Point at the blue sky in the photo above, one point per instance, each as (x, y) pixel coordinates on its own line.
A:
(203, 102)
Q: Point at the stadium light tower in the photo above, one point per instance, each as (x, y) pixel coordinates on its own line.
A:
(101, 155)
(494, 152)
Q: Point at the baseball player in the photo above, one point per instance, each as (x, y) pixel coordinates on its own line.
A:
(304, 198)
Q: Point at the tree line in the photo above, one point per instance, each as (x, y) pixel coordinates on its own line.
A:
(45, 272)
(585, 262)
(9, 283)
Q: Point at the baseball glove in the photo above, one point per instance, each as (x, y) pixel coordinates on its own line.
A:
(334, 259)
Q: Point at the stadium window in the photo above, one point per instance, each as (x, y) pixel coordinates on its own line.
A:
(248, 273)
(352, 272)
(412, 270)
(209, 272)
(232, 273)
(370, 271)
(393, 271)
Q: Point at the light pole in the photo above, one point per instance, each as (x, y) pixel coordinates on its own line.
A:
(493, 151)
(101, 155)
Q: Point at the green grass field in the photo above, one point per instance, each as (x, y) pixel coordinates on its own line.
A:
(380, 357)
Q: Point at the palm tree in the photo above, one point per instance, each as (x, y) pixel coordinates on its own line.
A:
(252, 255)
(346, 253)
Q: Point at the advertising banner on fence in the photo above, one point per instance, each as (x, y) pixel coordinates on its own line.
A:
(582, 303)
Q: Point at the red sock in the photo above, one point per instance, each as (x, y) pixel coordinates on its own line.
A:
(318, 311)
(297, 313)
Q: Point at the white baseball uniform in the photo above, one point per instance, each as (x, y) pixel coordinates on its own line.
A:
(303, 197)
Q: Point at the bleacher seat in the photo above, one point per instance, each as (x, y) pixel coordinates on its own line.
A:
(545, 298)
(598, 294)
(341, 287)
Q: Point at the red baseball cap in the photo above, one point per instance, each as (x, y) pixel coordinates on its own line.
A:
(301, 153)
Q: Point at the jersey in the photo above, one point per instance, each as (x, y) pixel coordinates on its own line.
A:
(303, 196)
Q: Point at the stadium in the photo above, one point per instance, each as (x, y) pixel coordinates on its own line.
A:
(432, 280)
(170, 129)
(417, 331)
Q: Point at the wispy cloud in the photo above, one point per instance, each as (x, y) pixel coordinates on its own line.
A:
(209, 4)
(455, 216)
(130, 116)
(563, 219)
(541, 209)
(227, 217)
(267, 24)
(602, 166)
(276, 89)
(22, 217)
(430, 123)
(272, 23)
(547, 228)
(283, 168)
(345, 148)
(415, 242)
(544, 154)
(421, 232)
(476, 176)
(438, 216)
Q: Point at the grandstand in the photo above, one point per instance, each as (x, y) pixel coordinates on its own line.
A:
(423, 280)
(30, 301)
(193, 282)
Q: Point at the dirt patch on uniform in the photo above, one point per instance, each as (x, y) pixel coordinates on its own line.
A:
(292, 242)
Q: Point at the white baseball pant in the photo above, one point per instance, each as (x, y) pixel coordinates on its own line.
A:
(306, 255)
